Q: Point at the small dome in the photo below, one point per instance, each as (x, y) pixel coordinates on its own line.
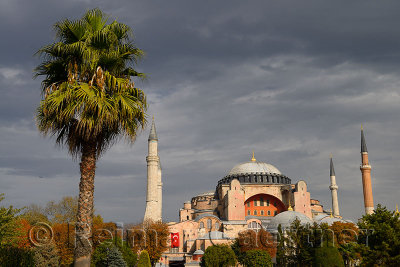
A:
(254, 167)
(320, 217)
(198, 252)
(286, 218)
(330, 220)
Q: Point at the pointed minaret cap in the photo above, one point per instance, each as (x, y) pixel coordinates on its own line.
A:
(332, 170)
(363, 144)
(397, 210)
(153, 133)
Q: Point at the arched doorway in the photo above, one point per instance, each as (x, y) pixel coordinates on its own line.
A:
(263, 205)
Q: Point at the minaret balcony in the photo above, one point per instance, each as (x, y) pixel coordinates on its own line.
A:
(366, 166)
(333, 187)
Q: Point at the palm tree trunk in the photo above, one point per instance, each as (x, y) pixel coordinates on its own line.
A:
(83, 245)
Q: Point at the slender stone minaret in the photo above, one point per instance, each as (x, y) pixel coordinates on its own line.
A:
(366, 176)
(333, 187)
(154, 185)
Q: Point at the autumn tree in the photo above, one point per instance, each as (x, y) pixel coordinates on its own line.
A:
(63, 211)
(150, 236)
(251, 240)
(345, 235)
(64, 240)
(34, 214)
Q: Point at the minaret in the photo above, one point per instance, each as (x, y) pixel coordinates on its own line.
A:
(366, 176)
(154, 186)
(333, 187)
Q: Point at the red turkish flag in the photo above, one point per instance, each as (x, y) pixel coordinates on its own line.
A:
(174, 240)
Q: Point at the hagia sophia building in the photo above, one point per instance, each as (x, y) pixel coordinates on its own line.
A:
(253, 195)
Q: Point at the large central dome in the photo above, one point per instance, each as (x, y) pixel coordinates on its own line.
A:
(254, 167)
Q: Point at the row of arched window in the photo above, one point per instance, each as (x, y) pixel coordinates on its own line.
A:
(262, 213)
(209, 225)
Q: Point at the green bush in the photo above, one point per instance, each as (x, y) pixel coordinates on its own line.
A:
(257, 257)
(107, 254)
(327, 256)
(16, 257)
(144, 259)
(46, 256)
(129, 257)
(218, 256)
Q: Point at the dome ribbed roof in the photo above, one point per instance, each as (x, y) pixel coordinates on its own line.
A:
(254, 167)
(286, 218)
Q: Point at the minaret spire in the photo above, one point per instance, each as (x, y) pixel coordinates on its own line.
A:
(153, 132)
(333, 187)
(332, 169)
(154, 184)
(366, 176)
(363, 144)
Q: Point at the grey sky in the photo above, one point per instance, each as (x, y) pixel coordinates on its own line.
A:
(292, 80)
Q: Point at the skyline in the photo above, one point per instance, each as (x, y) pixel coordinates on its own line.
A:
(293, 82)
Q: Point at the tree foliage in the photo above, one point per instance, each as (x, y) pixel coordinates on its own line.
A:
(380, 238)
(107, 254)
(327, 255)
(299, 244)
(150, 236)
(144, 259)
(218, 256)
(46, 256)
(129, 256)
(346, 241)
(89, 99)
(7, 223)
(16, 257)
(54, 212)
(253, 240)
(257, 257)
(88, 91)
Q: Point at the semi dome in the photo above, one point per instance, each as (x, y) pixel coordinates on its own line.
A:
(254, 167)
(286, 218)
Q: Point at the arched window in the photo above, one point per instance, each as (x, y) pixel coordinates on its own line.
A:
(209, 224)
(216, 226)
(254, 226)
(201, 225)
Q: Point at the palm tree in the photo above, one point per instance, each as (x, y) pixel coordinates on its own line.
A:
(89, 100)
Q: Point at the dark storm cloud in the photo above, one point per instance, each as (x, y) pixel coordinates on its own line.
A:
(290, 80)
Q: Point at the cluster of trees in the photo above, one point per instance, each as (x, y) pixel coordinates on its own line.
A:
(23, 243)
(374, 241)
(225, 256)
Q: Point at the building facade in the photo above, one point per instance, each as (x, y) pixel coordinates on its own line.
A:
(251, 196)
